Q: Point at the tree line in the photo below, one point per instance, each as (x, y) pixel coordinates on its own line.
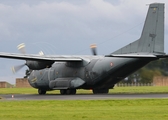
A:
(146, 74)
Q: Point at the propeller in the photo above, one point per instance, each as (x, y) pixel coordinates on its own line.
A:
(21, 48)
(93, 49)
(15, 69)
(41, 53)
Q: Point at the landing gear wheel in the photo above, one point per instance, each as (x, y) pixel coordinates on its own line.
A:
(73, 91)
(68, 92)
(41, 92)
(100, 91)
(63, 92)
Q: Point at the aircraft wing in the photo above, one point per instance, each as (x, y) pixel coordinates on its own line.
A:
(39, 57)
(137, 55)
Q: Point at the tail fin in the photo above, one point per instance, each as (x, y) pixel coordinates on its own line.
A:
(152, 37)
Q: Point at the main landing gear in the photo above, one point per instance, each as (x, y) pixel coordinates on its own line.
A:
(100, 91)
(73, 91)
(62, 92)
(68, 91)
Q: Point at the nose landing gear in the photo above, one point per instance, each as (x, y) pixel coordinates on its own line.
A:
(41, 92)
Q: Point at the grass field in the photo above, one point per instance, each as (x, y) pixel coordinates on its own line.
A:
(139, 109)
(116, 90)
(132, 109)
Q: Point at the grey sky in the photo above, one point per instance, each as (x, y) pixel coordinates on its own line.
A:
(69, 27)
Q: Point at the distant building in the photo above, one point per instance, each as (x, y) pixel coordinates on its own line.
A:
(22, 83)
(160, 81)
(4, 84)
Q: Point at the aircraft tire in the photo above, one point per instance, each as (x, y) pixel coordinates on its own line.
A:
(41, 92)
(63, 92)
(68, 92)
(100, 91)
(73, 91)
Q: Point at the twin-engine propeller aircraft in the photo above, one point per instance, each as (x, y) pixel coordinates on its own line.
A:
(99, 73)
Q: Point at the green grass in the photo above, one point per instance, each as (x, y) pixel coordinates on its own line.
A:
(141, 109)
(133, 109)
(116, 90)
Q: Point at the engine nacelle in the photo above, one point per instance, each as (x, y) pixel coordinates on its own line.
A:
(37, 65)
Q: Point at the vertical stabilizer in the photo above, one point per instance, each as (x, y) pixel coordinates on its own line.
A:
(152, 37)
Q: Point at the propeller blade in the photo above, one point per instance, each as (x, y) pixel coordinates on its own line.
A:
(21, 48)
(93, 49)
(41, 53)
(17, 68)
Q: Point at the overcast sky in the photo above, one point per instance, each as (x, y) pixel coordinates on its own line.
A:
(69, 27)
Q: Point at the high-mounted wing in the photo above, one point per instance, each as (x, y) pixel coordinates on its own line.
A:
(131, 56)
(137, 55)
(39, 57)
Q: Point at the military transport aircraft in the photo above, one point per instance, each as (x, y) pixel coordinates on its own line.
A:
(99, 73)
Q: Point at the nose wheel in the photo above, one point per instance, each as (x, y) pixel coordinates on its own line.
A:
(41, 92)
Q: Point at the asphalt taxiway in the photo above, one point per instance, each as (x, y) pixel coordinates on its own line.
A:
(81, 96)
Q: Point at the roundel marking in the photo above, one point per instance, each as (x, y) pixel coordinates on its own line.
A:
(111, 64)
